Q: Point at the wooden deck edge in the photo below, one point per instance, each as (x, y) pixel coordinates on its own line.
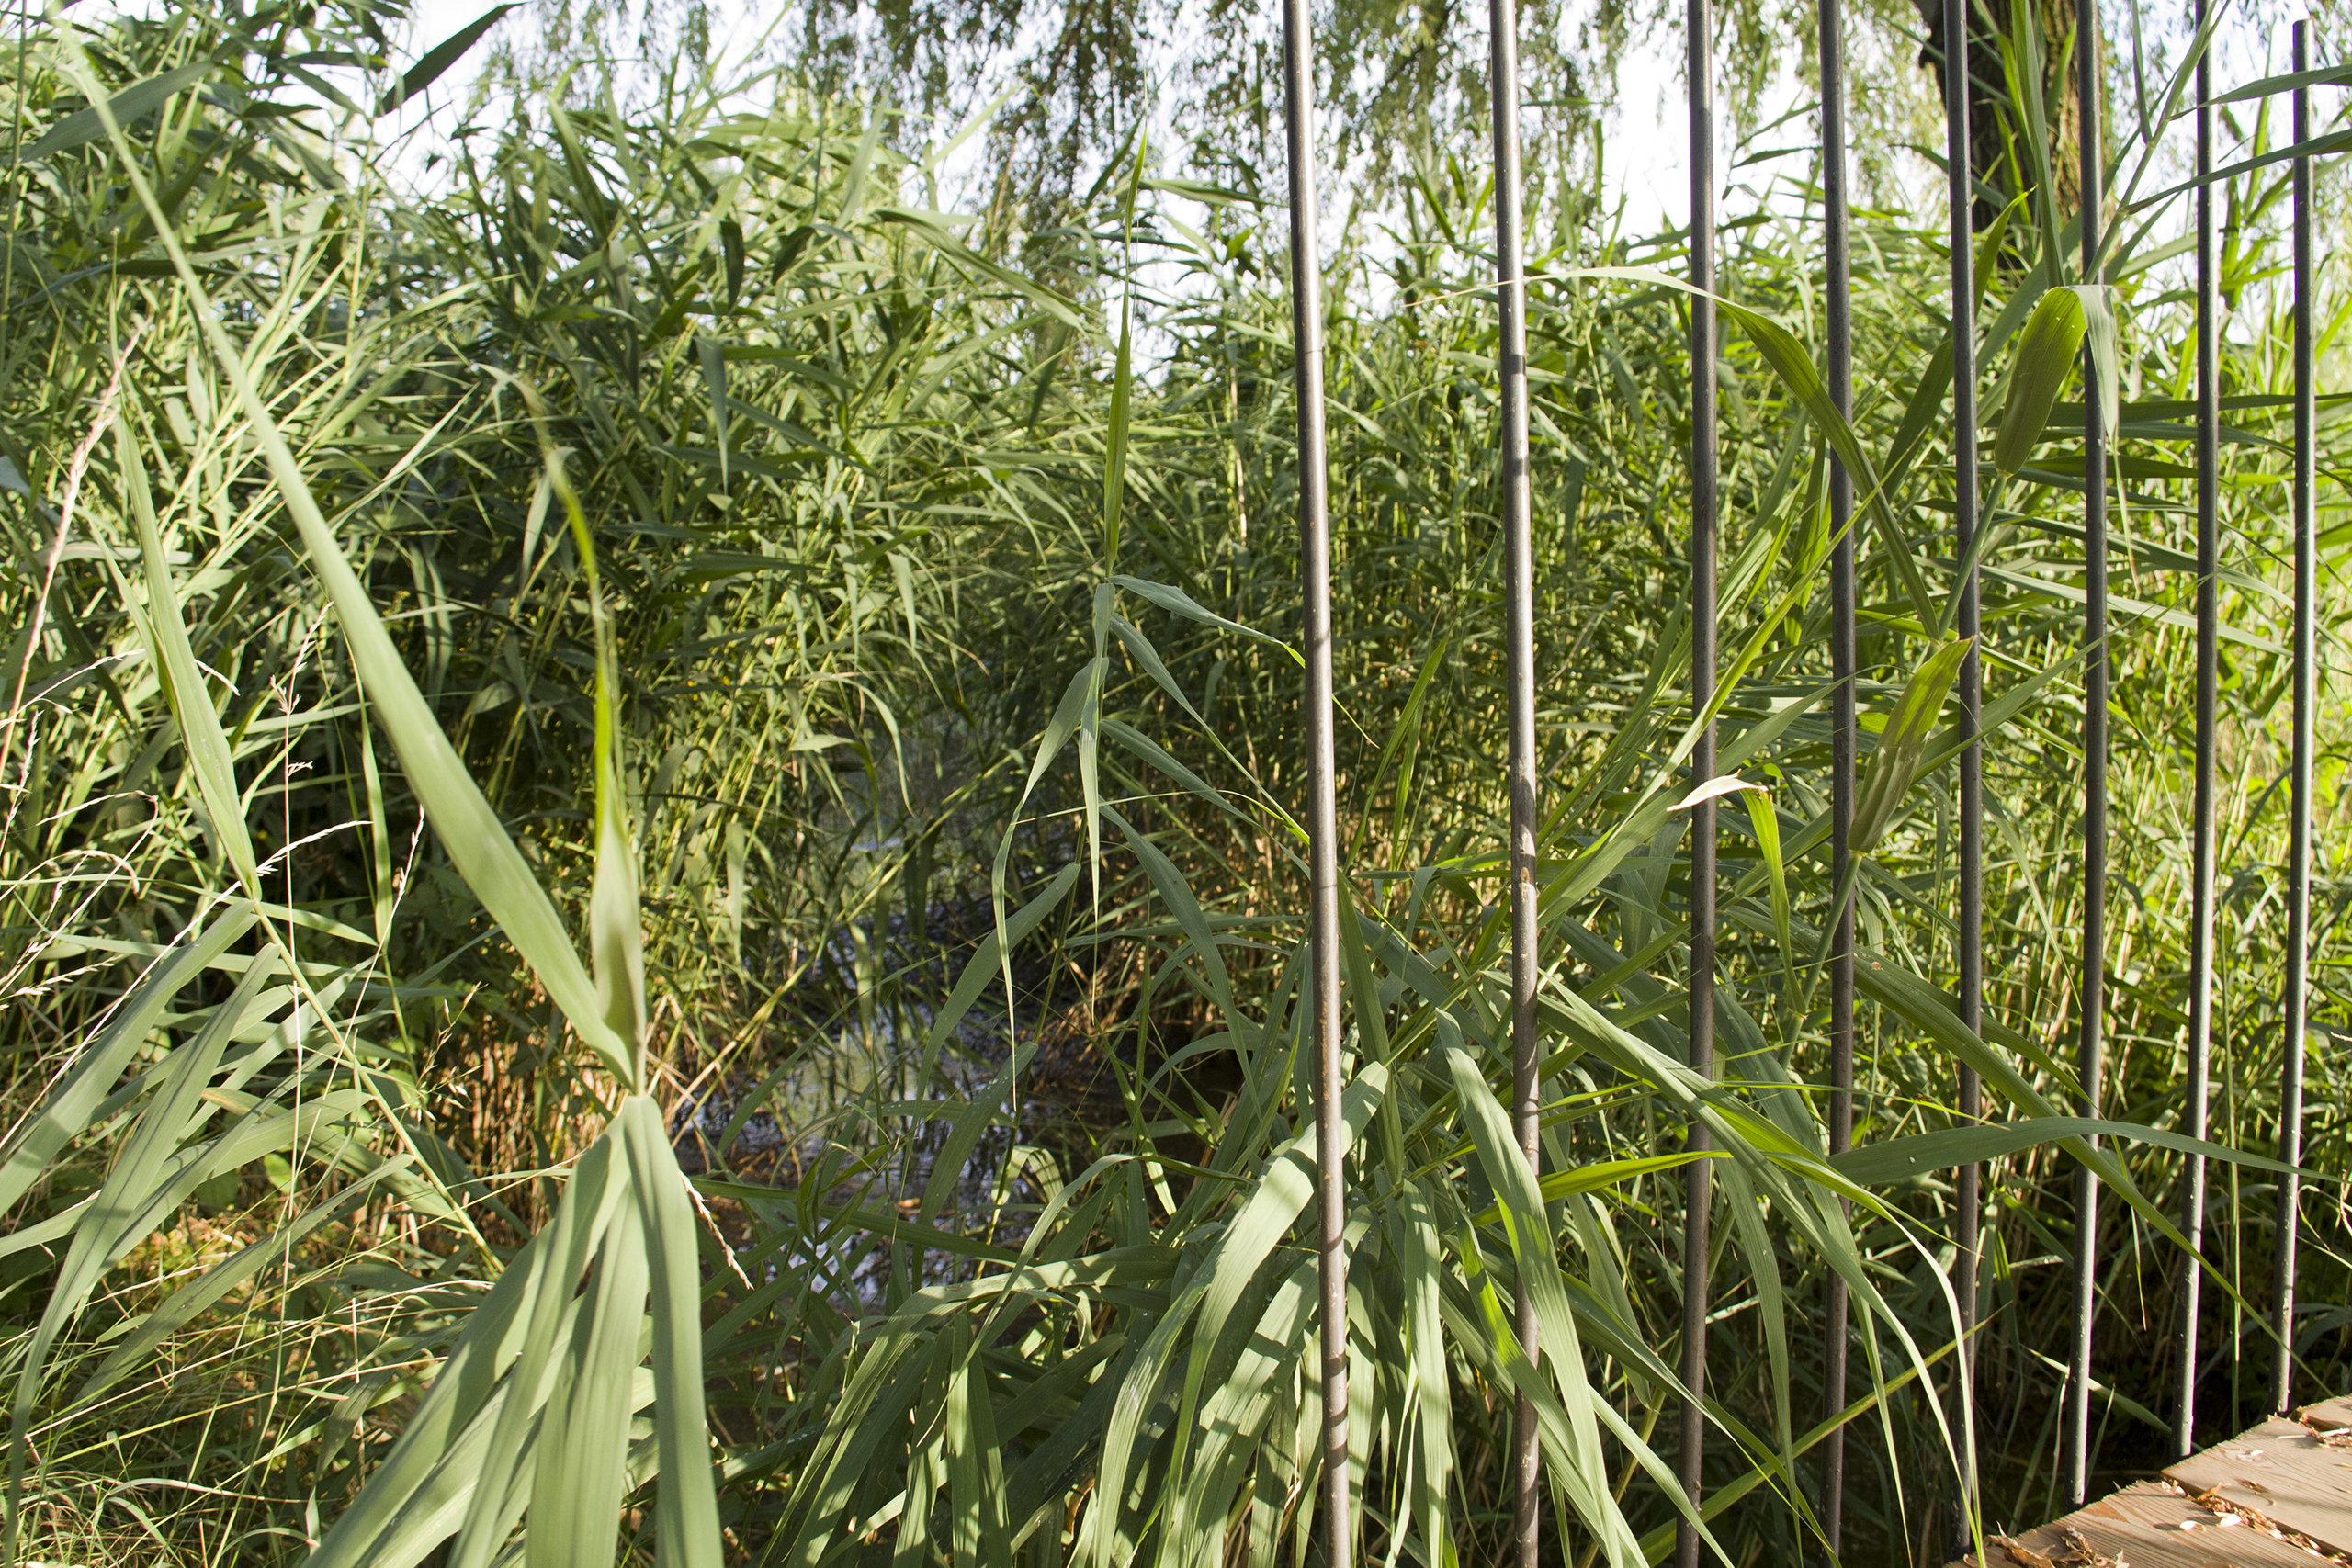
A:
(2276, 1496)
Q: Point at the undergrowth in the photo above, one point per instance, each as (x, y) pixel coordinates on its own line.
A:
(672, 529)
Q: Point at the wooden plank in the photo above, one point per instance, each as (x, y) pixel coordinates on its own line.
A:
(2328, 1414)
(2284, 1471)
(2148, 1525)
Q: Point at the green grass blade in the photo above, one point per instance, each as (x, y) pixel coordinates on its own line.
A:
(66, 1111)
(584, 1435)
(686, 1517)
(183, 684)
(1895, 761)
(2038, 368)
(132, 104)
(468, 829)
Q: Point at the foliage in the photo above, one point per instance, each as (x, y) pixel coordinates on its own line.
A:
(673, 530)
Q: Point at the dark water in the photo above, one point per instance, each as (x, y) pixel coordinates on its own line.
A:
(841, 1111)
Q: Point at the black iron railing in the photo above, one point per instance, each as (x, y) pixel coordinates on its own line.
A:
(1970, 518)
(2208, 661)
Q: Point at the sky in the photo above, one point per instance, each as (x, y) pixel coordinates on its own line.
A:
(1646, 158)
(1647, 135)
(1646, 132)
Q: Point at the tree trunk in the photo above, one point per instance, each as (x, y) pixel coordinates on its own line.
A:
(1989, 108)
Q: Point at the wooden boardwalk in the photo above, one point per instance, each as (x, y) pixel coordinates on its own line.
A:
(2277, 1497)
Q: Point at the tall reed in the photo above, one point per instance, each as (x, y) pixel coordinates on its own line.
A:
(674, 532)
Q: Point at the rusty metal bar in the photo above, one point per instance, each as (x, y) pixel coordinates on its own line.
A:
(2200, 875)
(1959, 197)
(2091, 1059)
(2299, 851)
(1519, 588)
(1842, 743)
(1699, 1186)
(1322, 807)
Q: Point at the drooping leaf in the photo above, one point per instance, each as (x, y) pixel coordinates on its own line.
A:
(1895, 761)
(128, 106)
(433, 62)
(2044, 358)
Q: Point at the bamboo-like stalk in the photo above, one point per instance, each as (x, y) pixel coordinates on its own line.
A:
(1323, 816)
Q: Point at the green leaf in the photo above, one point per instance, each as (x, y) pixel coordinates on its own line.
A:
(1764, 818)
(469, 1435)
(975, 1465)
(133, 103)
(1793, 366)
(2044, 357)
(2317, 147)
(67, 1108)
(1176, 601)
(1934, 1011)
(2100, 335)
(440, 57)
(1899, 1159)
(687, 1517)
(1216, 1286)
(616, 925)
(1402, 748)
(577, 1483)
(730, 248)
(1600, 1175)
(714, 382)
(1895, 761)
(183, 685)
(1578, 1462)
(971, 1119)
(2327, 76)
(1177, 894)
(993, 956)
(469, 830)
(1115, 468)
(548, 1275)
(939, 240)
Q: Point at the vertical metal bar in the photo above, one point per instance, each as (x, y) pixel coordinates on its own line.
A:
(2299, 848)
(1841, 733)
(1519, 579)
(2200, 874)
(1323, 814)
(2095, 681)
(1700, 1191)
(1960, 198)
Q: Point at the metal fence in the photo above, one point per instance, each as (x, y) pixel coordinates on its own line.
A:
(1516, 557)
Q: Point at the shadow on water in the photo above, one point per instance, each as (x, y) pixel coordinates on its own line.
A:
(850, 1120)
